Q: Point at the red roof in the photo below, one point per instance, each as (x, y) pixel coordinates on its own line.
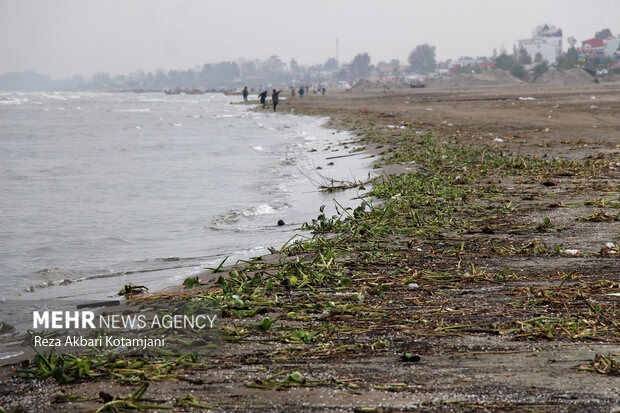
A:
(594, 42)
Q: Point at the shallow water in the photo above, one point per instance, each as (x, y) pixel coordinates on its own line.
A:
(103, 189)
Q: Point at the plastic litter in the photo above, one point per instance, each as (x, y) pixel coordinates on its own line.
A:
(571, 252)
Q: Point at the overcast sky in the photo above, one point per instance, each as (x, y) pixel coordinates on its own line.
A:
(64, 37)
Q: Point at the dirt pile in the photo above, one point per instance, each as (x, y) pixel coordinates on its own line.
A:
(490, 78)
(376, 84)
(564, 77)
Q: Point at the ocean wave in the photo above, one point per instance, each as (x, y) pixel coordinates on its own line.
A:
(235, 215)
(57, 97)
(132, 110)
(65, 277)
(12, 102)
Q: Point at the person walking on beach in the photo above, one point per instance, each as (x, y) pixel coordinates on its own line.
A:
(263, 95)
(245, 94)
(275, 98)
(293, 94)
(301, 92)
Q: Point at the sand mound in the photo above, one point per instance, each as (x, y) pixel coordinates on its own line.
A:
(564, 77)
(490, 78)
(376, 84)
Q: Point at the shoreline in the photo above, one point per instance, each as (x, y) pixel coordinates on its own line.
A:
(453, 293)
(164, 267)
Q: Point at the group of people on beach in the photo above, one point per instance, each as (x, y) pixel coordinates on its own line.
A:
(275, 98)
(275, 95)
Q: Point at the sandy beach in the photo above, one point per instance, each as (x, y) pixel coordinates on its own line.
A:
(480, 272)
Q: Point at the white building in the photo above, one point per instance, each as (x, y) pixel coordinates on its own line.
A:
(611, 45)
(547, 40)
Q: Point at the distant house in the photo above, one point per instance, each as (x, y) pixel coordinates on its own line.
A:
(595, 50)
(592, 43)
(546, 40)
(469, 64)
(390, 71)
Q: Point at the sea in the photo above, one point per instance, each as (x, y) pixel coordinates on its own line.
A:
(100, 190)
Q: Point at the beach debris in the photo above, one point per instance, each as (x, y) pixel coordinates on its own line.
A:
(413, 286)
(410, 358)
(610, 248)
(190, 401)
(191, 282)
(600, 217)
(293, 379)
(219, 267)
(544, 225)
(116, 403)
(129, 290)
(281, 222)
(498, 140)
(394, 387)
(265, 324)
(527, 98)
(603, 365)
(6, 328)
(571, 252)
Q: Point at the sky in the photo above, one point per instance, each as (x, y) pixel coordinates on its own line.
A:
(61, 38)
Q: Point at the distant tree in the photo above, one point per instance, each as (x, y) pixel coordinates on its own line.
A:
(331, 64)
(422, 59)
(272, 66)
(394, 62)
(360, 65)
(505, 61)
(225, 72)
(603, 34)
(572, 42)
(294, 65)
(523, 57)
(540, 68)
(519, 72)
(538, 57)
(569, 59)
(248, 69)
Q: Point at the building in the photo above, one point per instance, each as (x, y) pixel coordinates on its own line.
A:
(546, 40)
(596, 50)
(471, 64)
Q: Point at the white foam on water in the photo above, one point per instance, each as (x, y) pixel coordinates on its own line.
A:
(132, 110)
(11, 102)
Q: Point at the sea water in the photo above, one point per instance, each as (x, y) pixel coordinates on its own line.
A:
(105, 189)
